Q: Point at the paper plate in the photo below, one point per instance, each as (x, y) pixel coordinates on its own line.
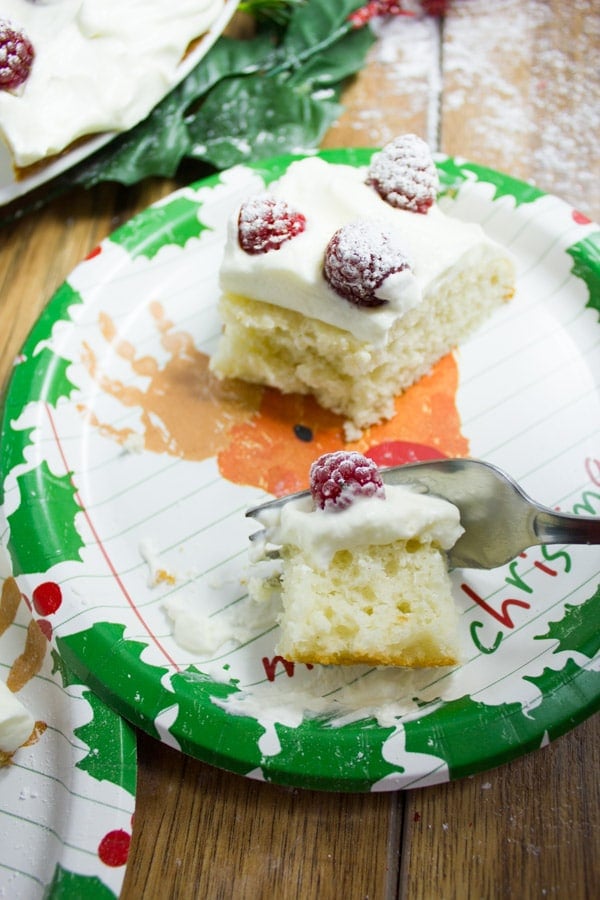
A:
(68, 796)
(11, 188)
(126, 473)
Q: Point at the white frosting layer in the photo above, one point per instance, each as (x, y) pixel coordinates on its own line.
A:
(331, 196)
(100, 65)
(16, 722)
(403, 515)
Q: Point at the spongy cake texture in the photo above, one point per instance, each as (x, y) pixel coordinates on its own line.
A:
(270, 345)
(386, 605)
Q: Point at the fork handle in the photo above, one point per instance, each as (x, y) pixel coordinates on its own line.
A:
(564, 528)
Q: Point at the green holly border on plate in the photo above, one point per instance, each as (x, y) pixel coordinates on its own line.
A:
(462, 734)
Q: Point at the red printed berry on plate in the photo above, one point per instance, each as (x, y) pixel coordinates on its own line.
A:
(16, 56)
(265, 223)
(404, 174)
(47, 598)
(359, 258)
(338, 479)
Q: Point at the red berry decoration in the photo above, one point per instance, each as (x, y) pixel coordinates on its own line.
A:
(435, 7)
(359, 258)
(16, 56)
(47, 598)
(374, 8)
(113, 849)
(337, 479)
(46, 628)
(404, 174)
(580, 218)
(265, 223)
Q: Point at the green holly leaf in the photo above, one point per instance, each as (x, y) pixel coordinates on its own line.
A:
(50, 501)
(66, 885)
(62, 300)
(269, 10)
(39, 373)
(247, 98)
(336, 63)
(453, 174)
(158, 144)
(315, 26)
(468, 735)
(569, 696)
(112, 747)
(230, 742)
(13, 445)
(472, 737)
(353, 156)
(42, 376)
(354, 767)
(261, 117)
(578, 629)
(174, 222)
(586, 265)
(58, 667)
(228, 58)
(130, 686)
(506, 185)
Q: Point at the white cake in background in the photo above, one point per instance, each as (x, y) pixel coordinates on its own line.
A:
(366, 582)
(286, 327)
(98, 65)
(16, 723)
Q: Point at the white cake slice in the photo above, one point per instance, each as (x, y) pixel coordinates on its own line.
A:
(364, 582)
(433, 281)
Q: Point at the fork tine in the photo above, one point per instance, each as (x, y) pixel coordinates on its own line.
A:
(258, 545)
(257, 535)
(499, 519)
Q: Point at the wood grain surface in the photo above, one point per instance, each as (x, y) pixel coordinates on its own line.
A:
(513, 85)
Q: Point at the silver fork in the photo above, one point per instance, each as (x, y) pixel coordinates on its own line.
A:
(499, 519)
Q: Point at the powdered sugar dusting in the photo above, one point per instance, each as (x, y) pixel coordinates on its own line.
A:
(399, 90)
(491, 82)
(16, 56)
(338, 479)
(404, 174)
(409, 48)
(265, 223)
(359, 258)
(510, 100)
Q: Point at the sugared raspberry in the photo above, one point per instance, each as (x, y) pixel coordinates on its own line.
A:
(265, 223)
(435, 7)
(338, 479)
(404, 174)
(374, 8)
(16, 56)
(358, 259)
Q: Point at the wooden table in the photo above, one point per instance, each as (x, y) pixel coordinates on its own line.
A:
(513, 85)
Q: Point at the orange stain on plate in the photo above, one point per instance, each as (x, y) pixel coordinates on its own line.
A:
(258, 435)
(274, 449)
(184, 410)
(426, 414)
